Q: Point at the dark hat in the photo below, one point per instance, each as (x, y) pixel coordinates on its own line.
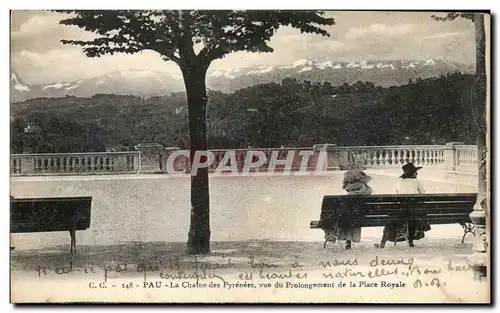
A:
(409, 169)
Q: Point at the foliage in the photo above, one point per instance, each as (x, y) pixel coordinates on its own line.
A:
(293, 114)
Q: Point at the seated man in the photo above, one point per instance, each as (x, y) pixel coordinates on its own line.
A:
(409, 184)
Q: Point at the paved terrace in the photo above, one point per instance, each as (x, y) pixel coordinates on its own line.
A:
(140, 216)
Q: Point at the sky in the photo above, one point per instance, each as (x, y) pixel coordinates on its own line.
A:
(38, 57)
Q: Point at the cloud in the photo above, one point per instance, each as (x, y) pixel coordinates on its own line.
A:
(39, 57)
(380, 30)
(446, 35)
(41, 23)
(69, 63)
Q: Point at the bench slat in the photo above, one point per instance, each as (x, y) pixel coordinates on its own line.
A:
(378, 210)
(49, 214)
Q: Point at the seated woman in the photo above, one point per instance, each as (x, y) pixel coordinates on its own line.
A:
(355, 183)
(408, 184)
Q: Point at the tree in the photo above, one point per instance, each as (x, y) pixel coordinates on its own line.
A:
(480, 96)
(481, 210)
(175, 35)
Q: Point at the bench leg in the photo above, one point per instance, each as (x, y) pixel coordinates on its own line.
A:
(333, 237)
(72, 234)
(468, 228)
(402, 232)
(330, 238)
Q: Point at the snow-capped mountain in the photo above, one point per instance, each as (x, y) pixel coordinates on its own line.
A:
(382, 73)
(149, 83)
(129, 82)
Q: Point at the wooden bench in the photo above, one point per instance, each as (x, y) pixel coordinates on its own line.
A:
(380, 210)
(32, 215)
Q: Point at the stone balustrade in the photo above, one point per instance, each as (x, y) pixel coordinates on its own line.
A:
(342, 158)
(298, 159)
(152, 158)
(74, 163)
(466, 158)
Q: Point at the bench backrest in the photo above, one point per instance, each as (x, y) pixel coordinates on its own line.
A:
(377, 210)
(49, 214)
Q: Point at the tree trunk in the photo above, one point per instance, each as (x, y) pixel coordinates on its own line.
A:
(479, 259)
(481, 102)
(199, 230)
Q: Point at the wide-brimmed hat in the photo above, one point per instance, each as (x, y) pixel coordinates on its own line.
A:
(354, 176)
(409, 169)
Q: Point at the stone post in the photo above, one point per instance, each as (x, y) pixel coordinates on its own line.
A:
(149, 154)
(450, 156)
(479, 259)
(336, 158)
(28, 165)
(164, 155)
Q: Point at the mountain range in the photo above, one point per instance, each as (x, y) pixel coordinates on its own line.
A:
(150, 83)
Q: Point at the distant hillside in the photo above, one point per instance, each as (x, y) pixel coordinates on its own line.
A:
(292, 113)
(149, 83)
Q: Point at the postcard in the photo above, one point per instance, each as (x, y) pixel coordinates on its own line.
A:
(207, 156)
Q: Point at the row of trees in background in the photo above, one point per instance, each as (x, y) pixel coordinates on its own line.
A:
(293, 113)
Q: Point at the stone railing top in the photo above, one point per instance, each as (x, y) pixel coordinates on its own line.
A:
(262, 149)
(74, 154)
(466, 146)
(333, 146)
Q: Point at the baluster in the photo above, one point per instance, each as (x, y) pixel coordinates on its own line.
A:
(52, 164)
(57, 162)
(70, 164)
(392, 158)
(13, 169)
(129, 162)
(15, 165)
(76, 164)
(361, 158)
(368, 157)
(64, 161)
(395, 156)
(101, 163)
(35, 162)
(386, 158)
(354, 158)
(89, 164)
(418, 154)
